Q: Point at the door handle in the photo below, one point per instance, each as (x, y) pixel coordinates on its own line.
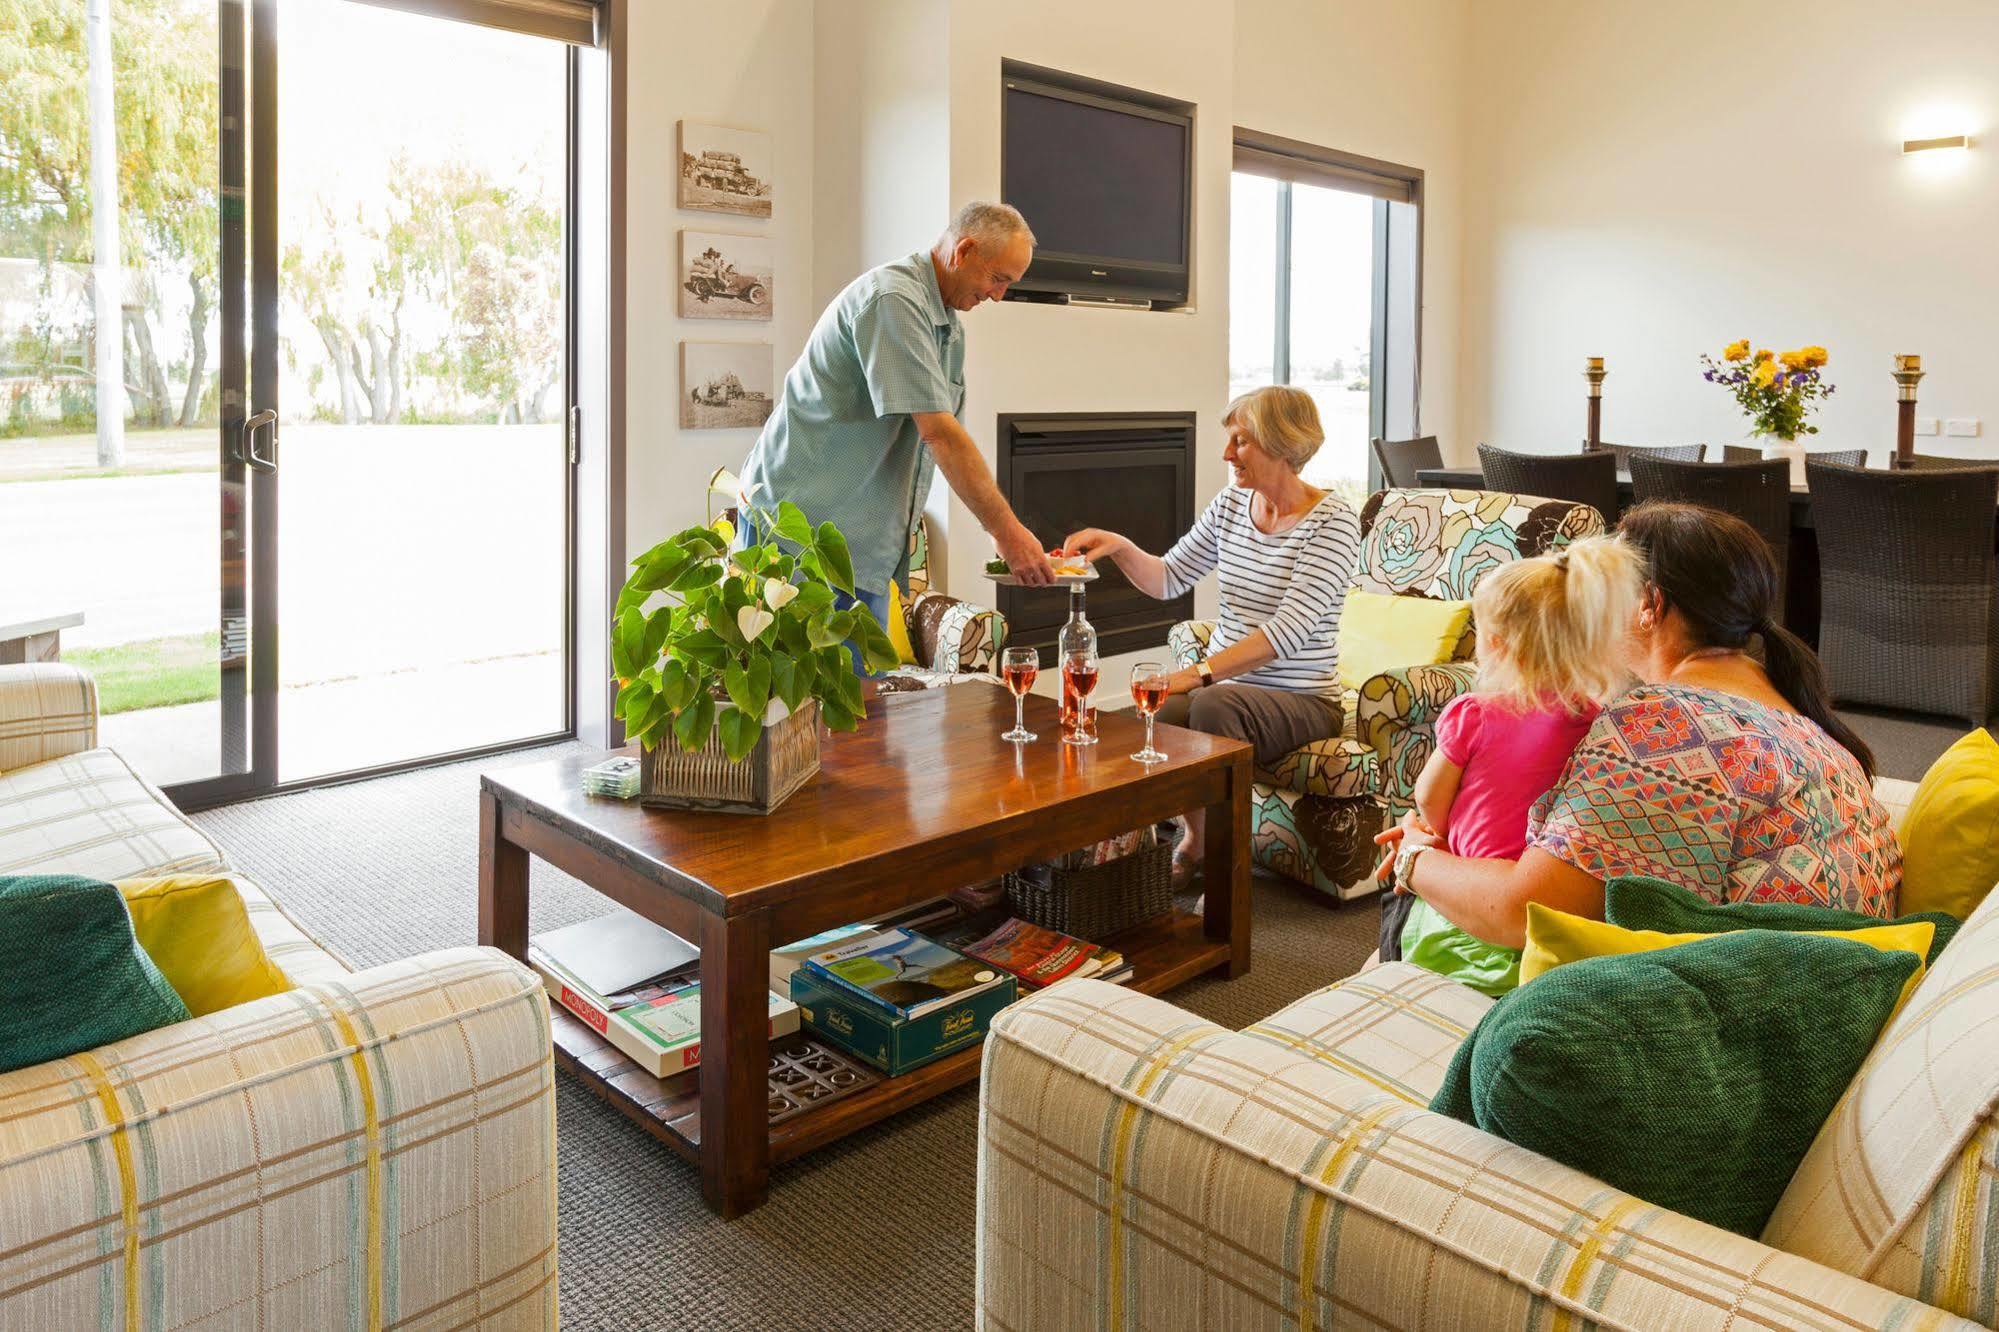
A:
(248, 440)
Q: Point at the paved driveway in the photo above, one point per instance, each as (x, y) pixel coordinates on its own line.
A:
(400, 547)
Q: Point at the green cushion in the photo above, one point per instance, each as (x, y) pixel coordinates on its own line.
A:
(72, 975)
(1694, 1077)
(1637, 902)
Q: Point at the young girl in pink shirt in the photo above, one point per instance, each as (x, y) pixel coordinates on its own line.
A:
(1550, 633)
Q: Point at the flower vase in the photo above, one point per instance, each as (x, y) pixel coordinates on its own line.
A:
(1776, 446)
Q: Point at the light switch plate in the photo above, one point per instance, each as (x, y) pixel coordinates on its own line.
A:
(1926, 425)
(1961, 425)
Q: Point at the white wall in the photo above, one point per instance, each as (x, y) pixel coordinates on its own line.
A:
(882, 105)
(755, 75)
(1652, 181)
(1385, 81)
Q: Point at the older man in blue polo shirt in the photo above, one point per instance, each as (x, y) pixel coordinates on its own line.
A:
(870, 410)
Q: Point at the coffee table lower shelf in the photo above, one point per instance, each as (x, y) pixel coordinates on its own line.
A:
(1164, 953)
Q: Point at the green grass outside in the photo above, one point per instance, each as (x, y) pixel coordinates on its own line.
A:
(153, 672)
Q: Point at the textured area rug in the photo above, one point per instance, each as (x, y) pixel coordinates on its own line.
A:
(872, 1232)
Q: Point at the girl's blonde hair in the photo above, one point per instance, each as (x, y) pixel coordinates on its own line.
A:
(1561, 621)
(1284, 422)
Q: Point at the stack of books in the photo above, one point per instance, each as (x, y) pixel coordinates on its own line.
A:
(1037, 956)
(637, 986)
(898, 1000)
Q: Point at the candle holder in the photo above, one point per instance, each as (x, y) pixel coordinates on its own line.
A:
(1908, 371)
(1594, 372)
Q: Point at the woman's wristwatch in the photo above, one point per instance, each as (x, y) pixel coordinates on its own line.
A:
(1207, 672)
(1405, 865)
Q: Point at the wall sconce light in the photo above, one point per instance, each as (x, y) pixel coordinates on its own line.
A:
(1928, 145)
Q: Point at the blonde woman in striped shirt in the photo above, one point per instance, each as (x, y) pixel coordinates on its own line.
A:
(1284, 553)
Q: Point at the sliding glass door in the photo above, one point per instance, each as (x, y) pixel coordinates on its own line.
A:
(125, 500)
(421, 395)
(307, 259)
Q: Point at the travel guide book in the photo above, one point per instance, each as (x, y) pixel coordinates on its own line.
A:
(1036, 955)
(903, 972)
(895, 1045)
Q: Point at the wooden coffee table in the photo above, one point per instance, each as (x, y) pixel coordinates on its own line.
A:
(923, 798)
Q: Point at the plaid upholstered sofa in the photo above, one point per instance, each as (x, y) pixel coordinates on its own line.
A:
(1139, 1167)
(1313, 818)
(371, 1149)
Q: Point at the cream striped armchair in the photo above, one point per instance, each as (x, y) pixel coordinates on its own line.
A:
(370, 1149)
(1142, 1168)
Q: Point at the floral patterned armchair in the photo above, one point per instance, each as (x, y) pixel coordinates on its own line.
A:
(954, 641)
(1314, 815)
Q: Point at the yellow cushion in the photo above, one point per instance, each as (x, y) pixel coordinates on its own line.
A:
(898, 628)
(1380, 633)
(198, 933)
(1555, 938)
(1950, 836)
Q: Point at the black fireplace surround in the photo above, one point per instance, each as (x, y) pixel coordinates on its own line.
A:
(1129, 472)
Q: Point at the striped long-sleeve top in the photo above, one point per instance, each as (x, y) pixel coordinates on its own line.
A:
(1291, 585)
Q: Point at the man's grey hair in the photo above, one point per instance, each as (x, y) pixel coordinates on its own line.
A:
(990, 224)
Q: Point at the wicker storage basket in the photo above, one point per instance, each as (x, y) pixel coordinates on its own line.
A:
(1099, 901)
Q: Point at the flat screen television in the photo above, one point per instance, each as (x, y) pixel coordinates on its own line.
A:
(1104, 177)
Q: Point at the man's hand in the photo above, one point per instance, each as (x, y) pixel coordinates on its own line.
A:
(1024, 556)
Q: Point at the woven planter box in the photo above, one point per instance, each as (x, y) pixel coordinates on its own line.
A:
(785, 758)
(1099, 901)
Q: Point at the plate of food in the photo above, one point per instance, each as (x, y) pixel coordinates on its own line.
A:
(1070, 568)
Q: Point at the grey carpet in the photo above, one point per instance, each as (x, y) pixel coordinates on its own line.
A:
(1904, 743)
(872, 1232)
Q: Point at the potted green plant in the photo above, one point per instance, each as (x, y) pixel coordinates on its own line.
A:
(724, 656)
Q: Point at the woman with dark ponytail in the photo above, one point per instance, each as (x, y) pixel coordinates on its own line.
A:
(1725, 770)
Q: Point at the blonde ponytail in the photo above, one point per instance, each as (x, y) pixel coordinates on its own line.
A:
(1561, 620)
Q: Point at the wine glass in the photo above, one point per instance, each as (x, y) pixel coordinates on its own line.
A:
(1018, 667)
(1079, 681)
(1148, 691)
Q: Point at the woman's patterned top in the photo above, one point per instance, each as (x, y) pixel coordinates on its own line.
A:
(1734, 800)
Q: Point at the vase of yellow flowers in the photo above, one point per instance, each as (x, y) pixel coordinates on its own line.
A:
(1777, 390)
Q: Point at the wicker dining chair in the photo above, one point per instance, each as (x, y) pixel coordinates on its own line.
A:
(1401, 459)
(1844, 457)
(1757, 491)
(1933, 462)
(1909, 587)
(1677, 452)
(1586, 478)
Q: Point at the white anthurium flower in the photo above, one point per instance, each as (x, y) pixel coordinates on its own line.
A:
(753, 620)
(775, 711)
(778, 593)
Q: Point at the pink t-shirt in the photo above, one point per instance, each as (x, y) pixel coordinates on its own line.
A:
(1509, 759)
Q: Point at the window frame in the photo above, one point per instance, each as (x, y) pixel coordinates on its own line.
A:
(1292, 162)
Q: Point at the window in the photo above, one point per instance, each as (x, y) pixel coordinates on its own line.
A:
(1322, 295)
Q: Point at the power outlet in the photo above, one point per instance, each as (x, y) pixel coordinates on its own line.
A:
(1926, 425)
(1963, 426)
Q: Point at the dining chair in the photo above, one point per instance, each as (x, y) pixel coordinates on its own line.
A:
(1757, 490)
(1680, 452)
(1747, 453)
(1586, 478)
(1909, 586)
(1401, 459)
(1933, 462)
